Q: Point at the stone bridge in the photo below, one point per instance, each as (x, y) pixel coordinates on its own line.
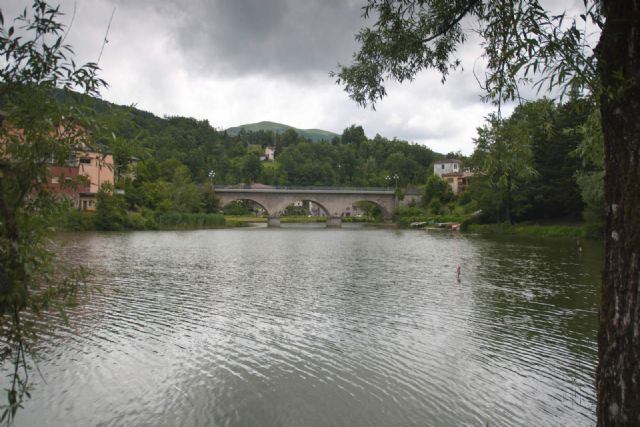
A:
(333, 200)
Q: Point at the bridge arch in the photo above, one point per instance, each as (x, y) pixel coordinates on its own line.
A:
(386, 215)
(322, 205)
(228, 201)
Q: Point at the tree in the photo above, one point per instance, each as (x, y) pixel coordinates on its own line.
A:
(251, 167)
(36, 131)
(210, 202)
(111, 212)
(185, 194)
(522, 42)
(553, 191)
(353, 135)
(504, 162)
(436, 189)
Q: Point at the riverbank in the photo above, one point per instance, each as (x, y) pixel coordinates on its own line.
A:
(75, 220)
(90, 221)
(576, 230)
(241, 220)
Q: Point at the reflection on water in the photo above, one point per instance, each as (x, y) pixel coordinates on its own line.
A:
(313, 327)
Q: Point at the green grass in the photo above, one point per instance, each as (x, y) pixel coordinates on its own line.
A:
(242, 220)
(530, 229)
(74, 220)
(239, 220)
(297, 219)
(178, 220)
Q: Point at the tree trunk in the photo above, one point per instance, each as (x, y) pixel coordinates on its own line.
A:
(618, 377)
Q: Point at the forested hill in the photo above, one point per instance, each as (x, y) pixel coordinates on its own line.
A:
(157, 147)
(277, 128)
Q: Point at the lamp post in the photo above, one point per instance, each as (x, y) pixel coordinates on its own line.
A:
(212, 175)
(387, 178)
(395, 178)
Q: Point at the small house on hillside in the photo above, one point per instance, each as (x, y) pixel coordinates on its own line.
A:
(451, 171)
(270, 153)
(447, 166)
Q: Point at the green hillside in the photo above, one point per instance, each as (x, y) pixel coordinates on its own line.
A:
(312, 134)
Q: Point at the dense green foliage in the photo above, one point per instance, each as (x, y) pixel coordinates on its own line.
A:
(436, 192)
(528, 166)
(177, 220)
(531, 230)
(539, 164)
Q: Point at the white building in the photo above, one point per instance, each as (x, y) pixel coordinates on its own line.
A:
(451, 171)
(447, 166)
(269, 154)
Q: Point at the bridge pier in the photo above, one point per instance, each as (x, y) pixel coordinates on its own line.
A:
(273, 222)
(334, 222)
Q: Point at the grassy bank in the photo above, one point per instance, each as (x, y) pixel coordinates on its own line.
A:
(240, 220)
(74, 220)
(180, 221)
(530, 229)
(405, 216)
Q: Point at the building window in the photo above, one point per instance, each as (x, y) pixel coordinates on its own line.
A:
(85, 160)
(442, 166)
(450, 180)
(455, 166)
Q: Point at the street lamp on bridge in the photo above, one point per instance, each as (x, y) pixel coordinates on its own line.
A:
(212, 175)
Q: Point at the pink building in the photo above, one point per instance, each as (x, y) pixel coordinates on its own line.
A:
(82, 176)
(90, 170)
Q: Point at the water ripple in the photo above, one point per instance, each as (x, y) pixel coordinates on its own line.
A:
(320, 327)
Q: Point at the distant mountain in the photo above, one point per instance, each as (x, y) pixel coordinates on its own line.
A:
(312, 134)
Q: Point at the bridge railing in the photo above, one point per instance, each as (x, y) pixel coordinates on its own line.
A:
(299, 188)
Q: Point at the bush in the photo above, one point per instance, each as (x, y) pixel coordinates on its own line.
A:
(111, 212)
(532, 230)
(136, 221)
(73, 219)
(178, 220)
(467, 223)
(437, 189)
(435, 207)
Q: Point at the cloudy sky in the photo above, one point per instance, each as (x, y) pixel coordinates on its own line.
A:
(242, 61)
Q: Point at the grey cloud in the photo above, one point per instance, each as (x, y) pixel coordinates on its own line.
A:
(287, 38)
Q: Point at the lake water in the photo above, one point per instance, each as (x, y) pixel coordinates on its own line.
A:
(307, 326)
